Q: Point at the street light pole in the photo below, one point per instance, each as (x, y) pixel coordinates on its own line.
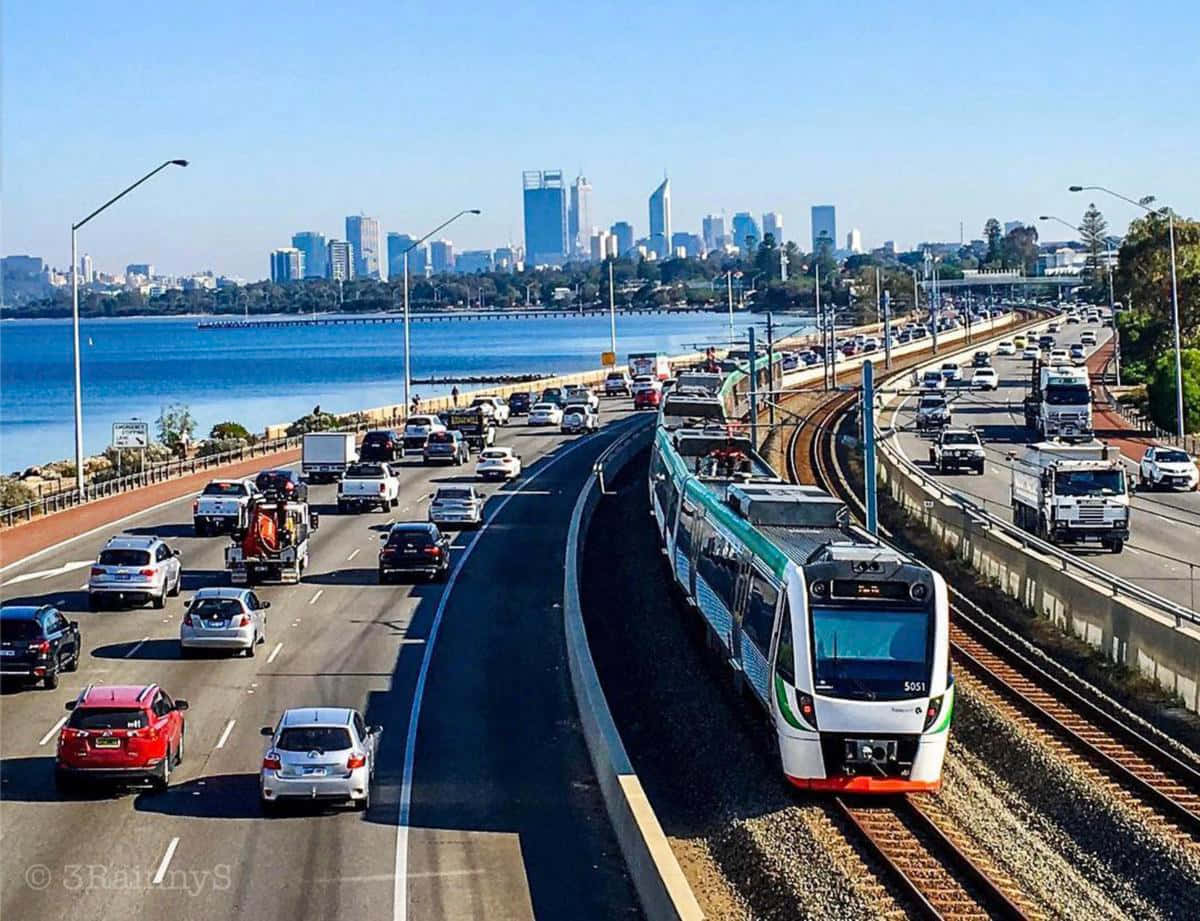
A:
(407, 350)
(729, 289)
(612, 313)
(75, 314)
(1174, 292)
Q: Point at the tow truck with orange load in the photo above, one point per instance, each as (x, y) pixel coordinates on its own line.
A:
(272, 544)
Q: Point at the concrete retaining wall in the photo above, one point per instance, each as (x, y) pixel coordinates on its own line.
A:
(661, 886)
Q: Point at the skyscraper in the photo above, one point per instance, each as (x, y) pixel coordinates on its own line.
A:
(660, 220)
(397, 243)
(854, 240)
(713, 231)
(545, 217)
(313, 245)
(339, 261)
(287, 264)
(362, 233)
(773, 225)
(622, 231)
(470, 261)
(579, 216)
(746, 235)
(689, 243)
(824, 228)
(87, 274)
(441, 256)
(504, 259)
(600, 245)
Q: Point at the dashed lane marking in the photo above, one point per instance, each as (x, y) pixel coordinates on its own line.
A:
(274, 653)
(161, 873)
(53, 732)
(313, 599)
(225, 734)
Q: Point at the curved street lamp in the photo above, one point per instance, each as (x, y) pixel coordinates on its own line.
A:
(75, 314)
(1144, 204)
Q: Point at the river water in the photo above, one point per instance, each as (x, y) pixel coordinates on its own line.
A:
(131, 368)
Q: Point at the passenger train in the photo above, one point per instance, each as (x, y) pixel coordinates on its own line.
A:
(844, 641)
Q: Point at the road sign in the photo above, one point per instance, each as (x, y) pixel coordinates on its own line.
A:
(608, 359)
(130, 434)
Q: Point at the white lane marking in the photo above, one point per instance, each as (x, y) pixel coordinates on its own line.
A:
(49, 573)
(355, 553)
(161, 872)
(274, 653)
(225, 734)
(313, 599)
(136, 647)
(400, 890)
(83, 588)
(48, 736)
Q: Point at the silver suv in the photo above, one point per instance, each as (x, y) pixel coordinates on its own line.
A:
(134, 569)
(319, 753)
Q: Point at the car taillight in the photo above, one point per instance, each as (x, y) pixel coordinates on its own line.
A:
(434, 551)
(187, 619)
(148, 573)
(149, 733)
(72, 735)
(932, 712)
(97, 570)
(382, 488)
(244, 620)
(356, 761)
(43, 646)
(271, 762)
(195, 506)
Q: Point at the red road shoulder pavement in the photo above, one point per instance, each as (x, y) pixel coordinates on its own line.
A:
(20, 541)
(1110, 425)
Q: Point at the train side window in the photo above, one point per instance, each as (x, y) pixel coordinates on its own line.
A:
(683, 533)
(672, 503)
(785, 655)
(662, 488)
(761, 601)
(718, 564)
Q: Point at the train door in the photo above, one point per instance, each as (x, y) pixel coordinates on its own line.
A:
(738, 608)
(760, 609)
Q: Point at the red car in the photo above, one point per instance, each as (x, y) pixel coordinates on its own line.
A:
(647, 399)
(122, 734)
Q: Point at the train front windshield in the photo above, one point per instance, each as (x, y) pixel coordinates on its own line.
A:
(867, 654)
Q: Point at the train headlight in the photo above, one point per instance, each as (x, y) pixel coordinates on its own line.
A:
(819, 589)
(932, 712)
(918, 591)
(808, 711)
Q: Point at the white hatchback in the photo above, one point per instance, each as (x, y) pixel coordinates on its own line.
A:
(545, 414)
(498, 464)
(1006, 348)
(985, 379)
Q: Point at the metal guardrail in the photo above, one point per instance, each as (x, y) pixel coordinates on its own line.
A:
(1066, 560)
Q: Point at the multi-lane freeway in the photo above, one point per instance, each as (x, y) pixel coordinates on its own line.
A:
(1158, 555)
(490, 810)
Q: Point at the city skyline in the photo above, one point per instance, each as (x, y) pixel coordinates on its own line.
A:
(259, 170)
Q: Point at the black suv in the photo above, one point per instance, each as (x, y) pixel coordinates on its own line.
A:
(37, 643)
(447, 446)
(383, 445)
(520, 403)
(981, 360)
(414, 547)
(283, 483)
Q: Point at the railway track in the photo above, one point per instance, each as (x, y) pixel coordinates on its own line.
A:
(939, 877)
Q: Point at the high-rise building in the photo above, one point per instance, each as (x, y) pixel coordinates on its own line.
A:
(441, 256)
(145, 269)
(339, 260)
(713, 231)
(287, 264)
(824, 228)
(470, 261)
(601, 244)
(504, 259)
(362, 233)
(689, 244)
(660, 220)
(773, 225)
(397, 243)
(854, 240)
(87, 272)
(545, 201)
(579, 216)
(314, 247)
(746, 235)
(622, 232)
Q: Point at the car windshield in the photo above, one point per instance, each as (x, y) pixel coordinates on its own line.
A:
(454, 494)
(616, 377)
(419, 421)
(116, 556)
(225, 489)
(1068, 394)
(107, 718)
(16, 630)
(377, 438)
(959, 438)
(932, 375)
(544, 408)
(1173, 457)
(493, 455)
(409, 537)
(576, 408)
(364, 471)
(216, 608)
(272, 478)
(933, 404)
(871, 654)
(438, 438)
(1089, 483)
(314, 738)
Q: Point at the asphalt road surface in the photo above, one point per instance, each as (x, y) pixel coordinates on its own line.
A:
(1162, 553)
(503, 817)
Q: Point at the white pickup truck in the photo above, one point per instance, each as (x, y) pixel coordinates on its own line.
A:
(221, 507)
(366, 485)
(495, 407)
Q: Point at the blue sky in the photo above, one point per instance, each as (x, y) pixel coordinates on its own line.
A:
(907, 117)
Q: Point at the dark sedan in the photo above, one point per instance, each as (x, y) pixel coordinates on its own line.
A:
(520, 403)
(37, 643)
(382, 445)
(414, 547)
(284, 483)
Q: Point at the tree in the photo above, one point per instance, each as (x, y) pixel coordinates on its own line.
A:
(1160, 389)
(766, 260)
(175, 425)
(1092, 231)
(1144, 276)
(1018, 249)
(992, 233)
